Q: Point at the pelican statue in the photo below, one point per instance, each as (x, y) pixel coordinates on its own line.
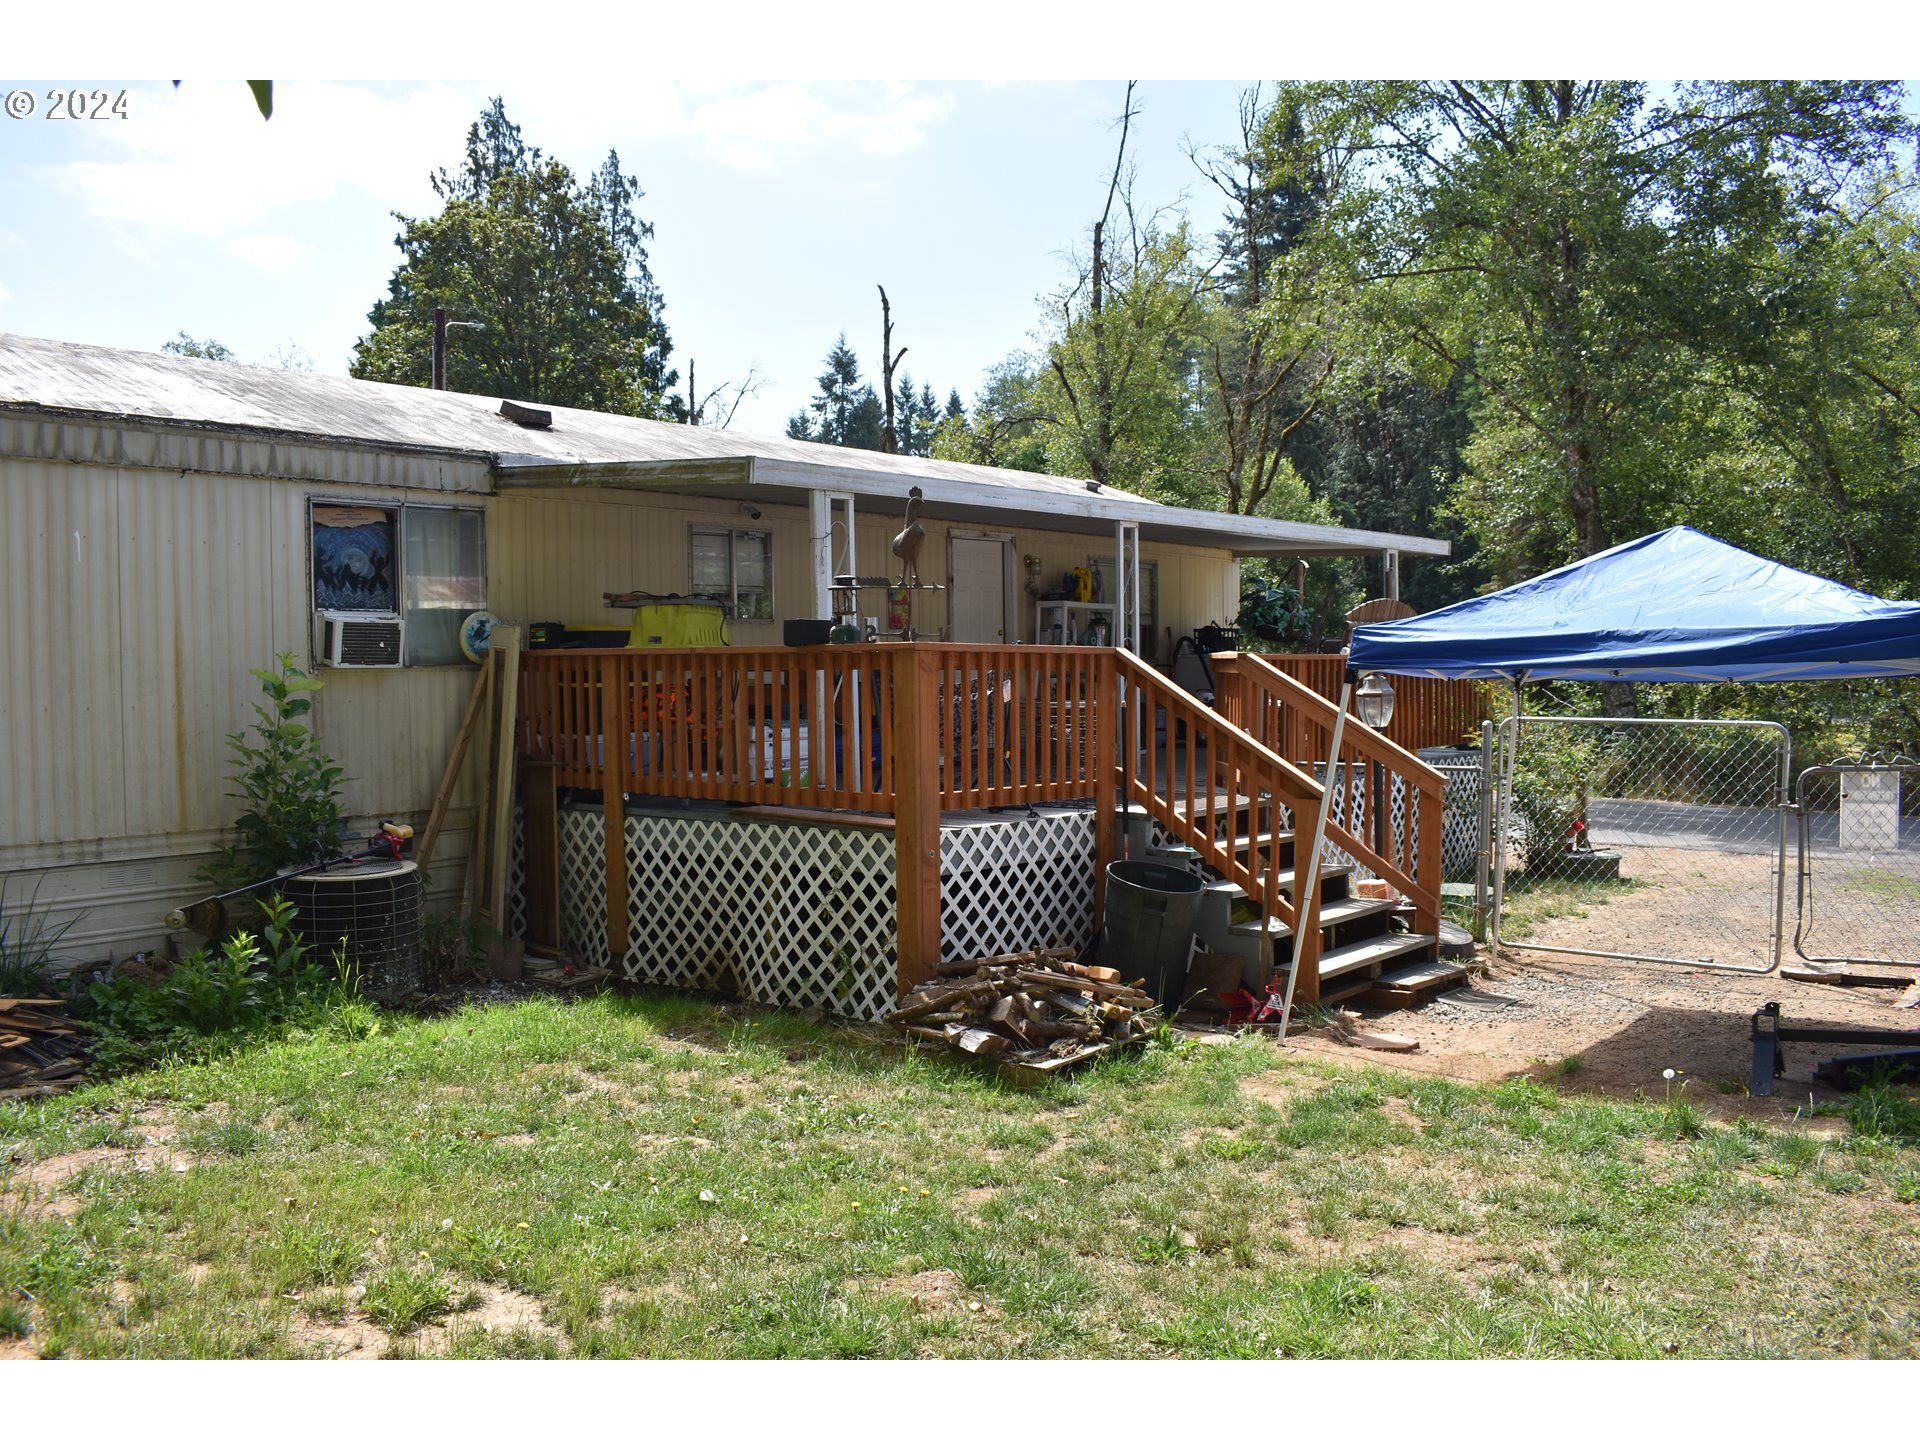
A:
(907, 543)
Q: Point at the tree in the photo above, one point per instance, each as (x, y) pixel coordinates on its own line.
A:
(1266, 344)
(846, 411)
(1010, 426)
(209, 349)
(1120, 353)
(1574, 251)
(553, 271)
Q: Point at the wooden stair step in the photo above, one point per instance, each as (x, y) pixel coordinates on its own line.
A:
(1267, 837)
(1276, 927)
(1353, 907)
(1223, 804)
(1405, 986)
(1234, 892)
(1422, 975)
(1374, 950)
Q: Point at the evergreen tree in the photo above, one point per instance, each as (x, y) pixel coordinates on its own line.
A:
(845, 411)
(554, 272)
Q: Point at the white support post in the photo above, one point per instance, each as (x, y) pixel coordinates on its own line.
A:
(820, 536)
(1311, 884)
(1390, 574)
(1126, 569)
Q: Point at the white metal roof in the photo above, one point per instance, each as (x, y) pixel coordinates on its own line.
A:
(589, 448)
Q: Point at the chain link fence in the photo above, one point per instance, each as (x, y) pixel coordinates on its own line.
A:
(1662, 840)
(1859, 862)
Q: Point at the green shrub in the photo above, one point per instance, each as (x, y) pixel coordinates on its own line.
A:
(214, 999)
(1551, 772)
(291, 788)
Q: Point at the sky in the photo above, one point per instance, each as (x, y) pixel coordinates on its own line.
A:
(778, 207)
(778, 202)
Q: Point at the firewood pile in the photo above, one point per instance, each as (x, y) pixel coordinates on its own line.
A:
(1034, 1014)
(40, 1051)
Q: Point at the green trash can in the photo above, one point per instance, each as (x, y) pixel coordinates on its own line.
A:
(1148, 932)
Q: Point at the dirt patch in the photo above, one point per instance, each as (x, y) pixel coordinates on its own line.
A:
(502, 1311)
(1270, 1086)
(935, 1293)
(1612, 1027)
(350, 1337)
(39, 1189)
(1461, 1253)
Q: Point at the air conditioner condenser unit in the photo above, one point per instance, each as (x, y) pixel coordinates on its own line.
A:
(358, 640)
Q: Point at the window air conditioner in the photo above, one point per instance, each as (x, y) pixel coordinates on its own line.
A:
(358, 640)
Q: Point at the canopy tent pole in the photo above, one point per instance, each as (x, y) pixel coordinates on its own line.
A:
(1311, 884)
(1503, 814)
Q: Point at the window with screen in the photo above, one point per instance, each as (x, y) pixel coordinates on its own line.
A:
(736, 567)
(443, 575)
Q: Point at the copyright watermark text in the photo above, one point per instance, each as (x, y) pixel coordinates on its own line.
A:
(67, 104)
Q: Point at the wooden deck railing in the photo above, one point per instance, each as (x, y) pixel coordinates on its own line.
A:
(1426, 712)
(1192, 785)
(908, 731)
(901, 730)
(1389, 801)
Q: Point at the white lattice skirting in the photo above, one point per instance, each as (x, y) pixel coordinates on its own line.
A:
(795, 913)
(1010, 884)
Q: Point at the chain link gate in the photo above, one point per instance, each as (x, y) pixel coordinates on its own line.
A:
(1656, 840)
(1859, 890)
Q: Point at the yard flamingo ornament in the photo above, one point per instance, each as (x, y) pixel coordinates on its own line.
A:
(906, 545)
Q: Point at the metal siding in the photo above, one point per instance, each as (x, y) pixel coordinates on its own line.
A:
(125, 664)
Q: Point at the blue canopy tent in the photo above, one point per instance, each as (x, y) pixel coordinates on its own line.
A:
(1675, 605)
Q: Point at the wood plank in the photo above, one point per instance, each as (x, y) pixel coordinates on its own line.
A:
(853, 819)
(1816, 974)
(916, 834)
(506, 640)
(1422, 975)
(456, 760)
(540, 810)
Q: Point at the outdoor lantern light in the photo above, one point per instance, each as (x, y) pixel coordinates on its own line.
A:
(1373, 701)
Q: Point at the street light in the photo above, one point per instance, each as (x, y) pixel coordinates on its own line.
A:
(1373, 701)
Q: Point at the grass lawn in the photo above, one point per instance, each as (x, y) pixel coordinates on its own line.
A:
(1529, 901)
(659, 1177)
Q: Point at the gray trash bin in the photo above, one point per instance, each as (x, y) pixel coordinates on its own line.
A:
(1148, 934)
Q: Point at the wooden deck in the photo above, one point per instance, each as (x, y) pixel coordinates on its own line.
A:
(908, 733)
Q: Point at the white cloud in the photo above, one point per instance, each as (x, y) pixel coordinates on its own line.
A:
(271, 253)
(753, 127)
(200, 160)
(5, 295)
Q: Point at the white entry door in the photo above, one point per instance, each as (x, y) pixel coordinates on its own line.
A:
(979, 596)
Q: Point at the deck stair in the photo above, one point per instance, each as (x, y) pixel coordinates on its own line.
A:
(1239, 831)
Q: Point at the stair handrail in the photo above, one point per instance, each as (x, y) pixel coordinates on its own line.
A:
(1282, 687)
(1244, 669)
(1285, 781)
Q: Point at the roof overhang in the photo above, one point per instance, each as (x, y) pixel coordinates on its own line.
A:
(1088, 511)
